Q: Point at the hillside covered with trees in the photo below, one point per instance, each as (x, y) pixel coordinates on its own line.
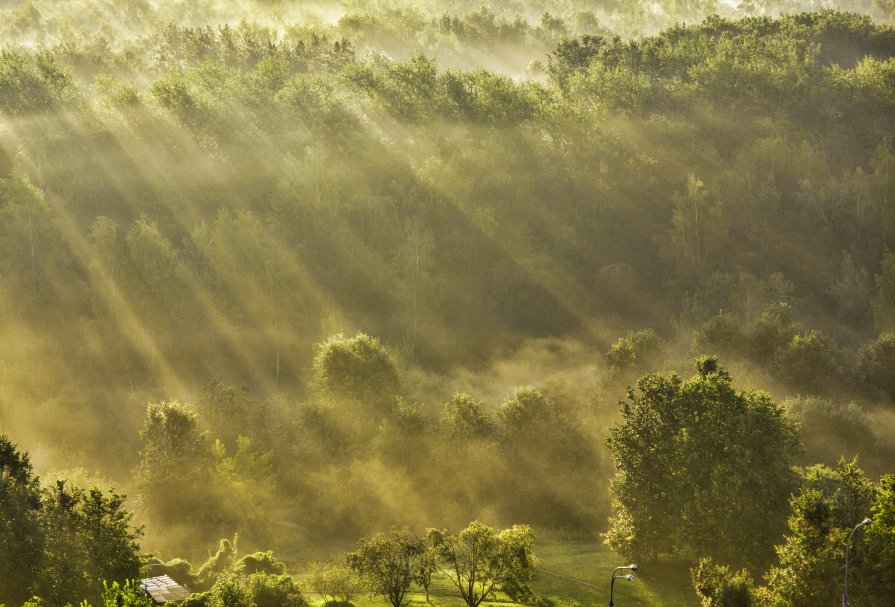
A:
(307, 273)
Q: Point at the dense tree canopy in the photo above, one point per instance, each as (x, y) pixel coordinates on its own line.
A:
(831, 503)
(60, 542)
(21, 544)
(320, 222)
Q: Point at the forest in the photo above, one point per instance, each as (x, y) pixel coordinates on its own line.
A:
(303, 303)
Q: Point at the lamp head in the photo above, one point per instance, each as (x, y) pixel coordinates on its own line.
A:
(632, 567)
(867, 521)
(629, 577)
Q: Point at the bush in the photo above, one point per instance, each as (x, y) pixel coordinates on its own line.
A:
(275, 591)
(217, 564)
(230, 591)
(180, 570)
(197, 599)
(810, 362)
(831, 430)
(717, 586)
(638, 351)
(359, 369)
(771, 333)
(876, 365)
(721, 334)
(259, 562)
(463, 417)
(124, 595)
(335, 582)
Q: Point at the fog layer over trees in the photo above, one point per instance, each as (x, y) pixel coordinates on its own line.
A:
(305, 273)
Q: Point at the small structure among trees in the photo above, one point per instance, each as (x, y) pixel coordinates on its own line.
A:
(162, 589)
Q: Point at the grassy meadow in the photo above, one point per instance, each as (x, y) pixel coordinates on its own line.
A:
(572, 571)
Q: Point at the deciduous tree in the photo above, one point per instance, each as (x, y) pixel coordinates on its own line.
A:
(479, 561)
(702, 469)
(357, 368)
(386, 560)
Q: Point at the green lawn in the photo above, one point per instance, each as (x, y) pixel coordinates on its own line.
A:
(580, 572)
(572, 572)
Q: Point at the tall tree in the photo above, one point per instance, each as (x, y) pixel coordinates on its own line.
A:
(21, 538)
(702, 469)
(175, 465)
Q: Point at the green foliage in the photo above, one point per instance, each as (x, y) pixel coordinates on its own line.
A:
(21, 541)
(479, 561)
(830, 504)
(409, 418)
(721, 334)
(422, 566)
(32, 255)
(175, 466)
(462, 417)
(553, 459)
(275, 590)
(852, 290)
(387, 561)
(31, 83)
(197, 599)
(217, 564)
(61, 542)
(180, 570)
(876, 364)
(336, 582)
(186, 195)
(126, 594)
(772, 333)
(880, 556)
(153, 257)
(717, 586)
(570, 55)
(232, 412)
(690, 457)
(809, 362)
(884, 298)
(357, 368)
(230, 590)
(259, 562)
(638, 351)
(831, 430)
(526, 413)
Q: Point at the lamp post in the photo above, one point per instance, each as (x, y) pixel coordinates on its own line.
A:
(629, 577)
(866, 521)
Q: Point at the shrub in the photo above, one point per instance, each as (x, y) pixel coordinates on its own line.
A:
(275, 591)
(637, 351)
(718, 586)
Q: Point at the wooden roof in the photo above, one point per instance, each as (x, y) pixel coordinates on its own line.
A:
(163, 589)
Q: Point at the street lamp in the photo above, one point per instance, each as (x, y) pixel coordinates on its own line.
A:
(629, 577)
(866, 521)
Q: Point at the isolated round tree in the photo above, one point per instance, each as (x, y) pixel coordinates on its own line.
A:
(702, 469)
(358, 368)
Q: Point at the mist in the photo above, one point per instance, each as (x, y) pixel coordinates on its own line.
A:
(501, 217)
